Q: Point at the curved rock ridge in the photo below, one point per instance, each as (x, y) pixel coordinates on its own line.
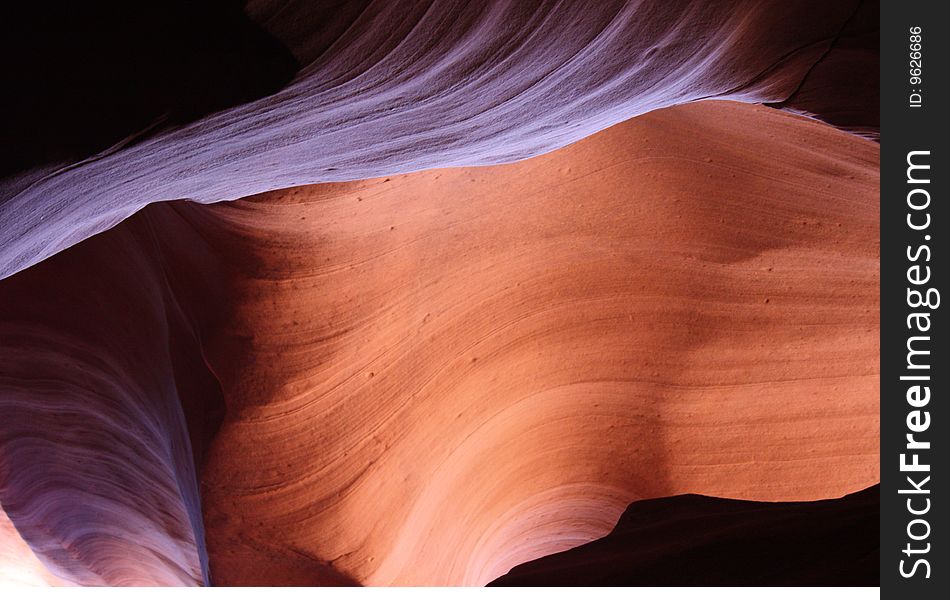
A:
(400, 86)
(99, 369)
(434, 377)
(697, 540)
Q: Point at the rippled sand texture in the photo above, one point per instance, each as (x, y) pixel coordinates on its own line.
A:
(431, 378)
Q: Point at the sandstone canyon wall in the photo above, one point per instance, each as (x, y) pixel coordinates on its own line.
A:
(531, 279)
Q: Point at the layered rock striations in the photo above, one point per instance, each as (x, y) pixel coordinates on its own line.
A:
(431, 378)
(390, 87)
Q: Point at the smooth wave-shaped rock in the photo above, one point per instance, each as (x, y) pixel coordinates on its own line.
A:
(697, 540)
(467, 368)
(398, 86)
(99, 367)
(434, 377)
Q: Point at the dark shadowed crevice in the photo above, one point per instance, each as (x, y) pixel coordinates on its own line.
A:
(86, 76)
(698, 540)
(843, 87)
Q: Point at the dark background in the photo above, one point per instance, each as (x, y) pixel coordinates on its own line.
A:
(79, 77)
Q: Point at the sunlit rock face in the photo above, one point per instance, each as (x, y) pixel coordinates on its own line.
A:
(411, 85)
(431, 378)
(437, 361)
(465, 369)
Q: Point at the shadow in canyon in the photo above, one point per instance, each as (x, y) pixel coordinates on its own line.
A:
(82, 77)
